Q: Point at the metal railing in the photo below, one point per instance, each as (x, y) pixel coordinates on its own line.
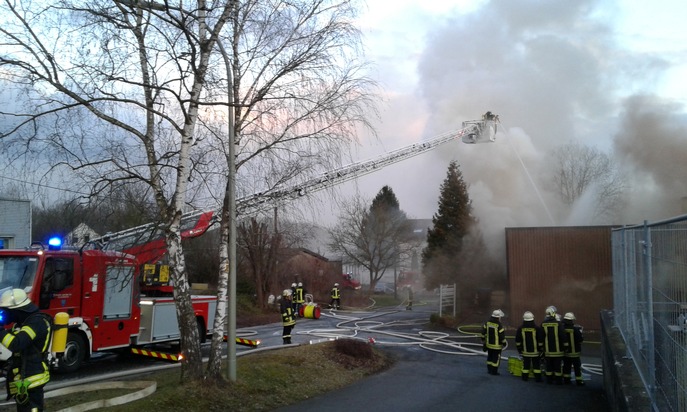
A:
(650, 306)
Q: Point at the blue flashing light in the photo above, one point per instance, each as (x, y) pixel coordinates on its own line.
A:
(55, 243)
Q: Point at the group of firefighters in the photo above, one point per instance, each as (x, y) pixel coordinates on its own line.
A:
(293, 300)
(553, 347)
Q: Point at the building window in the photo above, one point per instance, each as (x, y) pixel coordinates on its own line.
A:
(6, 243)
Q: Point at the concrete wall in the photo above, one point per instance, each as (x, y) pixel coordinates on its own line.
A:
(15, 223)
(623, 385)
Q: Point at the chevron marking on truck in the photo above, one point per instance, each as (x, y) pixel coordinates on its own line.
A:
(159, 355)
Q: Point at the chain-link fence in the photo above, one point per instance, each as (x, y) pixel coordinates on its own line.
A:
(650, 306)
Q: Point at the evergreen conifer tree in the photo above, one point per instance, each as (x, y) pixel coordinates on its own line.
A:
(453, 221)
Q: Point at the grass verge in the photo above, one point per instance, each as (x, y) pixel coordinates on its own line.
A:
(265, 380)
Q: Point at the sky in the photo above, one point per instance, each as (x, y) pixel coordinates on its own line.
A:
(602, 73)
(599, 73)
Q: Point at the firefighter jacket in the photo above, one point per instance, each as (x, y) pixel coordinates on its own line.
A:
(493, 334)
(288, 318)
(335, 293)
(555, 338)
(529, 339)
(575, 339)
(29, 342)
(299, 297)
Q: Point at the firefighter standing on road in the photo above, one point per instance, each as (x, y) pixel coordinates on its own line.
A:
(288, 318)
(493, 341)
(336, 297)
(572, 360)
(555, 346)
(293, 295)
(28, 340)
(529, 339)
(299, 298)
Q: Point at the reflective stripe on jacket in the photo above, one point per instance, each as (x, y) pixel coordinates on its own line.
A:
(529, 340)
(287, 315)
(555, 339)
(493, 335)
(335, 293)
(299, 298)
(574, 335)
(28, 345)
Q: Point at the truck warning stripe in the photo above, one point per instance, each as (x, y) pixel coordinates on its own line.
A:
(159, 355)
(246, 342)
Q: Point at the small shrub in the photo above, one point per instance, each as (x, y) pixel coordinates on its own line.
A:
(355, 348)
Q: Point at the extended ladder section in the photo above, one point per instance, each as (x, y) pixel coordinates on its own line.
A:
(147, 241)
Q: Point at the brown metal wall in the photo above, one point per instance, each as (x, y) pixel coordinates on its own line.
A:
(568, 267)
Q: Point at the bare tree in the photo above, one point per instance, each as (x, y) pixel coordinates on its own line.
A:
(299, 96)
(582, 169)
(137, 73)
(375, 238)
(147, 77)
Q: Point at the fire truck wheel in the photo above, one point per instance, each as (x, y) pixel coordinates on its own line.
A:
(74, 353)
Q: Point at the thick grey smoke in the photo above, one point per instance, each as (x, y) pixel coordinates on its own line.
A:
(555, 74)
(652, 147)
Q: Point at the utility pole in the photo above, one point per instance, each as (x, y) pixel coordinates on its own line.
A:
(231, 295)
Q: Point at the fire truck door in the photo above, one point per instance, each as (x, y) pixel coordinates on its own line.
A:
(117, 316)
(58, 290)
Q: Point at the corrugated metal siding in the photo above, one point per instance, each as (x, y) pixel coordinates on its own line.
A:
(568, 267)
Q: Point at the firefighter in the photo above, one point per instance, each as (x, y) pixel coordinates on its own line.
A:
(493, 341)
(28, 340)
(410, 298)
(555, 346)
(293, 301)
(288, 318)
(529, 340)
(336, 297)
(572, 360)
(299, 298)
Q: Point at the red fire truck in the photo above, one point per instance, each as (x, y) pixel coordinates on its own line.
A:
(103, 293)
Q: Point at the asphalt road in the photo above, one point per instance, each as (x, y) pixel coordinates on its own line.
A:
(445, 371)
(449, 376)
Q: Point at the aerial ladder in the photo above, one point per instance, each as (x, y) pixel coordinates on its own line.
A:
(147, 242)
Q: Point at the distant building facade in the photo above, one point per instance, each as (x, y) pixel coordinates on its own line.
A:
(15, 223)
